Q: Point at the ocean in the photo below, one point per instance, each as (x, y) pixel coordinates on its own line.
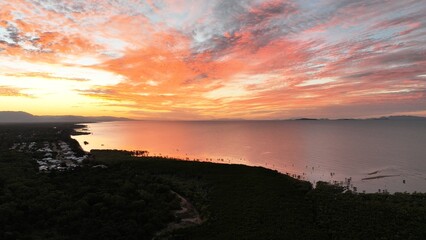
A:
(366, 155)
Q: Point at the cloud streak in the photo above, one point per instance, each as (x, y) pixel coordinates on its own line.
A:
(12, 92)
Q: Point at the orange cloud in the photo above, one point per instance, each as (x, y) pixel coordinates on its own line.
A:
(12, 92)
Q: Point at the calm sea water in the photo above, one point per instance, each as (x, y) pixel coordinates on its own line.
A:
(375, 154)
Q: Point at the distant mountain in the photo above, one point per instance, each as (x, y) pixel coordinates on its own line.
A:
(16, 117)
(24, 117)
(400, 118)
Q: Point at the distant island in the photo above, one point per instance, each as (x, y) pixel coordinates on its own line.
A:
(24, 117)
(401, 117)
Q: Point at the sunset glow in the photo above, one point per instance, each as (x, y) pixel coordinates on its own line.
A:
(219, 59)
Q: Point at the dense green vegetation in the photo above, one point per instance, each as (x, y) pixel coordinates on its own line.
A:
(132, 199)
(369, 216)
(88, 203)
(256, 203)
(242, 203)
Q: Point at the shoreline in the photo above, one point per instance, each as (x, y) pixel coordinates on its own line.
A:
(356, 182)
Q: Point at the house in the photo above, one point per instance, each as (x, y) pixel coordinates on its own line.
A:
(43, 168)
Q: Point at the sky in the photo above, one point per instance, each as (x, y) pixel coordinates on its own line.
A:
(216, 59)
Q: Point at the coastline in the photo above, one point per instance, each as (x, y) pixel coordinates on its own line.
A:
(361, 181)
(75, 132)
